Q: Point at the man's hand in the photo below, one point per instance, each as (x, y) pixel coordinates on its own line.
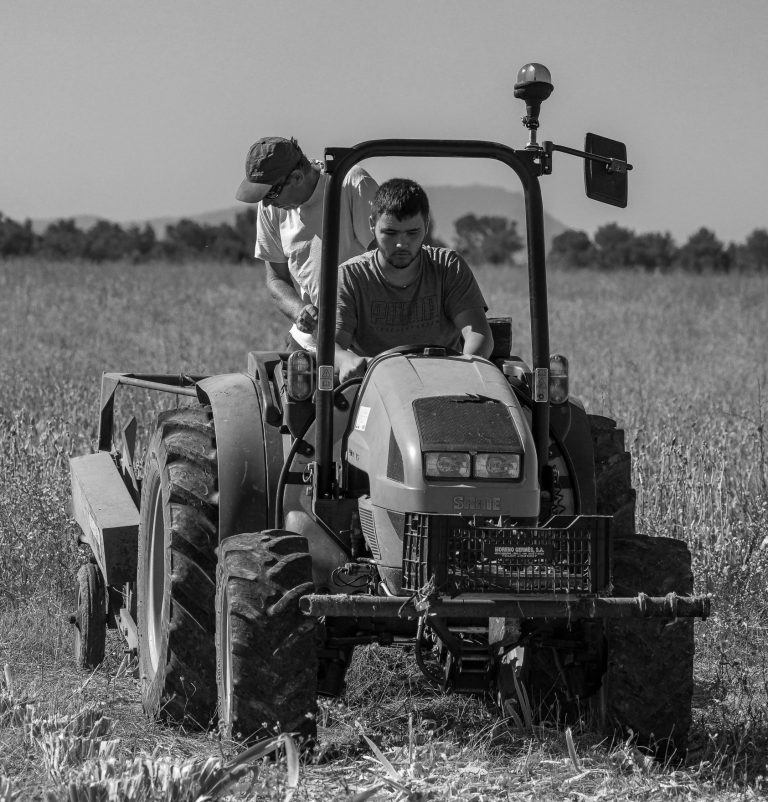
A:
(474, 327)
(352, 366)
(348, 363)
(306, 320)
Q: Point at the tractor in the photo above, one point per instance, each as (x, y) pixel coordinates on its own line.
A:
(467, 507)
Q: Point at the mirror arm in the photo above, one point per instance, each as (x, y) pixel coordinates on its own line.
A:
(612, 165)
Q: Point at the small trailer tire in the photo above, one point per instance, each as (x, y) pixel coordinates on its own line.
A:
(90, 618)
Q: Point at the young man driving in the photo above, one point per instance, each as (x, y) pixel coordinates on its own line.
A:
(405, 292)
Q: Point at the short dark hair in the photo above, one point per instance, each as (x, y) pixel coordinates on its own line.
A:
(401, 197)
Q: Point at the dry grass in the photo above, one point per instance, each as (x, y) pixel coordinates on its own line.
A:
(681, 361)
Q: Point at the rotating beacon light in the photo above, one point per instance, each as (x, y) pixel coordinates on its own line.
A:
(534, 85)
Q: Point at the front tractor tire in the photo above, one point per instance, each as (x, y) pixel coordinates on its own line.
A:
(178, 534)
(265, 647)
(90, 617)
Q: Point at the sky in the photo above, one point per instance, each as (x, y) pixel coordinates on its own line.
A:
(137, 109)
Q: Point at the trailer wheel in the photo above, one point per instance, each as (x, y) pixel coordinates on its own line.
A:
(178, 534)
(647, 688)
(90, 618)
(266, 652)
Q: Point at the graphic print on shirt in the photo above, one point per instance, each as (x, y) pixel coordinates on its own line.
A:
(418, 313)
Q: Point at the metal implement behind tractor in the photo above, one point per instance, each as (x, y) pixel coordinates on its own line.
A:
(467, 506)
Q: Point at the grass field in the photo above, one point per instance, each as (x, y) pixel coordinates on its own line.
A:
(681, 361)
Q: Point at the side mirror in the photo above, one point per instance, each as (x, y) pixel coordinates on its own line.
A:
(605, 178)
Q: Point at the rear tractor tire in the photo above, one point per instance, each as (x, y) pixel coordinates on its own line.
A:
(90, 617)
(266, 652)
(178, 535)
(647, 688)
(613, 475)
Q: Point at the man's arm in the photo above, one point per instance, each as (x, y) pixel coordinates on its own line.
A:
(287, 299)
(362, 192)
(474, 327)
(348, 363)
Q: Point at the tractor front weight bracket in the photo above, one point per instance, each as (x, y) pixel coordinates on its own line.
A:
(670, 606)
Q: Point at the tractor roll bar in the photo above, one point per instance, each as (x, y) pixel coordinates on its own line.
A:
(339, 161)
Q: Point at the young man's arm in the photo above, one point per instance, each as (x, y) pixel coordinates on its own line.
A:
(287, 299)
(476, 332)
(348, 363)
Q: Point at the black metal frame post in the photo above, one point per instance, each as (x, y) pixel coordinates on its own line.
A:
(177, 384)
(528, 166)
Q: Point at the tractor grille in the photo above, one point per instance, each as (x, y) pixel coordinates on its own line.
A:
(569, 555)
(457, 422)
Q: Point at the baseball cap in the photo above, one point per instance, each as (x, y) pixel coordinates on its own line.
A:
(269, 161)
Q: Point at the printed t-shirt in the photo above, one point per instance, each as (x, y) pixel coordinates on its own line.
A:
(295, 236)
(380, 315)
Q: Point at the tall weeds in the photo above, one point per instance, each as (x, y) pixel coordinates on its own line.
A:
(681, 361)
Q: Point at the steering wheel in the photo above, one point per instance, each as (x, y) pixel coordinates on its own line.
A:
(417, 348)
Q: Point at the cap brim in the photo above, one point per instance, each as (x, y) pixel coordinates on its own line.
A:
(248, 192)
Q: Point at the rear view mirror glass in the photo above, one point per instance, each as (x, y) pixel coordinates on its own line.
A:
(604, 182)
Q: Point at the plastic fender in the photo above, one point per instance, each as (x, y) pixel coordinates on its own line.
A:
(250, 454)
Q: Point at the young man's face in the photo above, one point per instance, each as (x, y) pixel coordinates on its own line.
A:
(399, 241)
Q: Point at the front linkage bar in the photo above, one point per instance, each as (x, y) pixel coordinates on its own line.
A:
(640, 606)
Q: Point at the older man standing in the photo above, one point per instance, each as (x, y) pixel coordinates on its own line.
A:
(289, 226)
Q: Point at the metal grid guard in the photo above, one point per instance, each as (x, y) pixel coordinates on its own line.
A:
(569, 555)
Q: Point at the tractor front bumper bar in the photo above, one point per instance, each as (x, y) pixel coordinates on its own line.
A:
(477, 606)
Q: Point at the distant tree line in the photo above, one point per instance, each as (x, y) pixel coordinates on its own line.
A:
(485, 239)
(617, 247)
(496, 241)
(107, 241)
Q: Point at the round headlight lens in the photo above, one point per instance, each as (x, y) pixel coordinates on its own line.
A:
(497, 466)
(447, 464)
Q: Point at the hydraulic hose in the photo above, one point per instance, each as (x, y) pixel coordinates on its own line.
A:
(285, 470)
(527, 401)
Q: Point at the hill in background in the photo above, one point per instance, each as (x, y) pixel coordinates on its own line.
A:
(448, 204)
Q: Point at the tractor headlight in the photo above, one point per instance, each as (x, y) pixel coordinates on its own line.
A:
(497, 466)
(461, 465)
(301, 376)
(447, 464)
